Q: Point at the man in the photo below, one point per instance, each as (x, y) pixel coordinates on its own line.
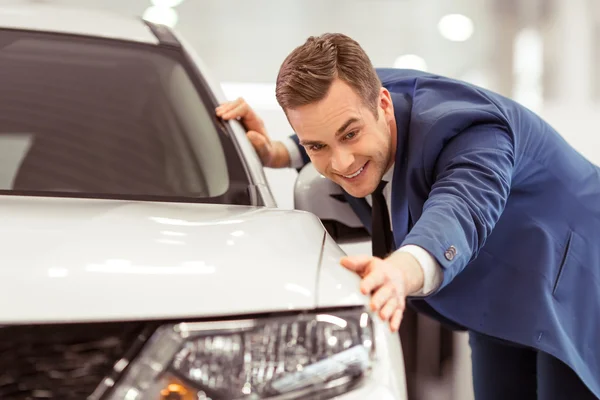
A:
(496, 219)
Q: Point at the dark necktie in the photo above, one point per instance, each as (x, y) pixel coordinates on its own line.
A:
(381, 237)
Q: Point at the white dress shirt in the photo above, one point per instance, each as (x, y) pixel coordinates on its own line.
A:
(432, 271)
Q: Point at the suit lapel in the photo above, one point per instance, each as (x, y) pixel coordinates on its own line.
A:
(400, 212)
(400, 190)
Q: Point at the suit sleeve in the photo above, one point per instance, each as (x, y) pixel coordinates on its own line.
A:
(471, 184)
(296, 159)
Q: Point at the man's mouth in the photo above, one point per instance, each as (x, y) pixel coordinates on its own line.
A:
(357, 173)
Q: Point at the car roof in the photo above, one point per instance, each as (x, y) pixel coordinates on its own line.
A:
(77, 21)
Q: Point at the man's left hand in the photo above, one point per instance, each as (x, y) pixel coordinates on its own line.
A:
(388, 281)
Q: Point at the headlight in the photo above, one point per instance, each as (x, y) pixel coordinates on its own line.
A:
(309, 356)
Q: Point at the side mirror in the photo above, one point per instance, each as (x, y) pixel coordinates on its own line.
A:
(316, 194)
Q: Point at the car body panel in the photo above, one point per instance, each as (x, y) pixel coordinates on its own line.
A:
(57, 19)
(337, 288)
(91, 260)
(331, 205)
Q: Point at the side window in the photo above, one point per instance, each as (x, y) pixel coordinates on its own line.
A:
(201, 137)
(13, 149)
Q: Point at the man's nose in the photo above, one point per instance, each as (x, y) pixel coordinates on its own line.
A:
(342, 161)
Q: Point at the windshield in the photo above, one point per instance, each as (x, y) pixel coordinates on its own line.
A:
(104, 118)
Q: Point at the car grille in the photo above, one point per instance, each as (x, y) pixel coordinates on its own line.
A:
(65, 362)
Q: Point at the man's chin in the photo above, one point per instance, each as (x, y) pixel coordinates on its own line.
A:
(357, 191)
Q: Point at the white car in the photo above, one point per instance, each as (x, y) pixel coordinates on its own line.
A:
(143, 256)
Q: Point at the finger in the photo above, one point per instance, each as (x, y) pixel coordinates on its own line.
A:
(228, 105)
(389, 309)
(238, 111)
(396, 320)
(401, 302)
(381, 296)
(372, 281)
(356, 264)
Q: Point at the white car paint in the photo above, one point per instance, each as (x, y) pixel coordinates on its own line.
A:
(72, 252)
(311, 181)
(58, 19)
(80, 260)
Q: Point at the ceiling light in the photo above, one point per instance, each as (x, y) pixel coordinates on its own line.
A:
(166, 3)
(161, 15)
(456, 27)
(410, 61)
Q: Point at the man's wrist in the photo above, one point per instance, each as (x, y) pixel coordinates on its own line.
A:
(431, 269)
(412, 273)
(281, 157)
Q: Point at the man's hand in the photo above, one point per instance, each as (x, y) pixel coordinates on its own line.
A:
(273, 154)
(388, 282)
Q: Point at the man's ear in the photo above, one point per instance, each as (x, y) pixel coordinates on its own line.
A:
(385, 102)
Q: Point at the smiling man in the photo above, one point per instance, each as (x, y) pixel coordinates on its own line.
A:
(496, 219)
(347, 142)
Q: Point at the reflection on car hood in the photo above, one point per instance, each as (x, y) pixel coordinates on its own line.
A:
(86, 260)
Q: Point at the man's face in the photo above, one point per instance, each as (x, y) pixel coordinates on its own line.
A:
(345, 141)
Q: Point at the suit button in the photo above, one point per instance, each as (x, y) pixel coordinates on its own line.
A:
(450, 253)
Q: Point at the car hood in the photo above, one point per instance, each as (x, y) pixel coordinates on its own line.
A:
(67, 259)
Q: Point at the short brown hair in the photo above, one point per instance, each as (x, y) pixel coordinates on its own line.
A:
(309, 70)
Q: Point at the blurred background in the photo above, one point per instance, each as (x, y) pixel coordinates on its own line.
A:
(543, 53)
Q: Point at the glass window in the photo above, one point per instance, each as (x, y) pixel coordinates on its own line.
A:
(101, 118)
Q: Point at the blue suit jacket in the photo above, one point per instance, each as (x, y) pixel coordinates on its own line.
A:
(510, 211)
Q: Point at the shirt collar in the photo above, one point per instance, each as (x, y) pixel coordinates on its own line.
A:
(389, 174)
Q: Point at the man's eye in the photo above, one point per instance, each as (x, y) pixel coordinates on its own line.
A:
(315, 147)
(350, 135)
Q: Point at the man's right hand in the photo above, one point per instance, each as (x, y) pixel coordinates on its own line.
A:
(273, 154)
